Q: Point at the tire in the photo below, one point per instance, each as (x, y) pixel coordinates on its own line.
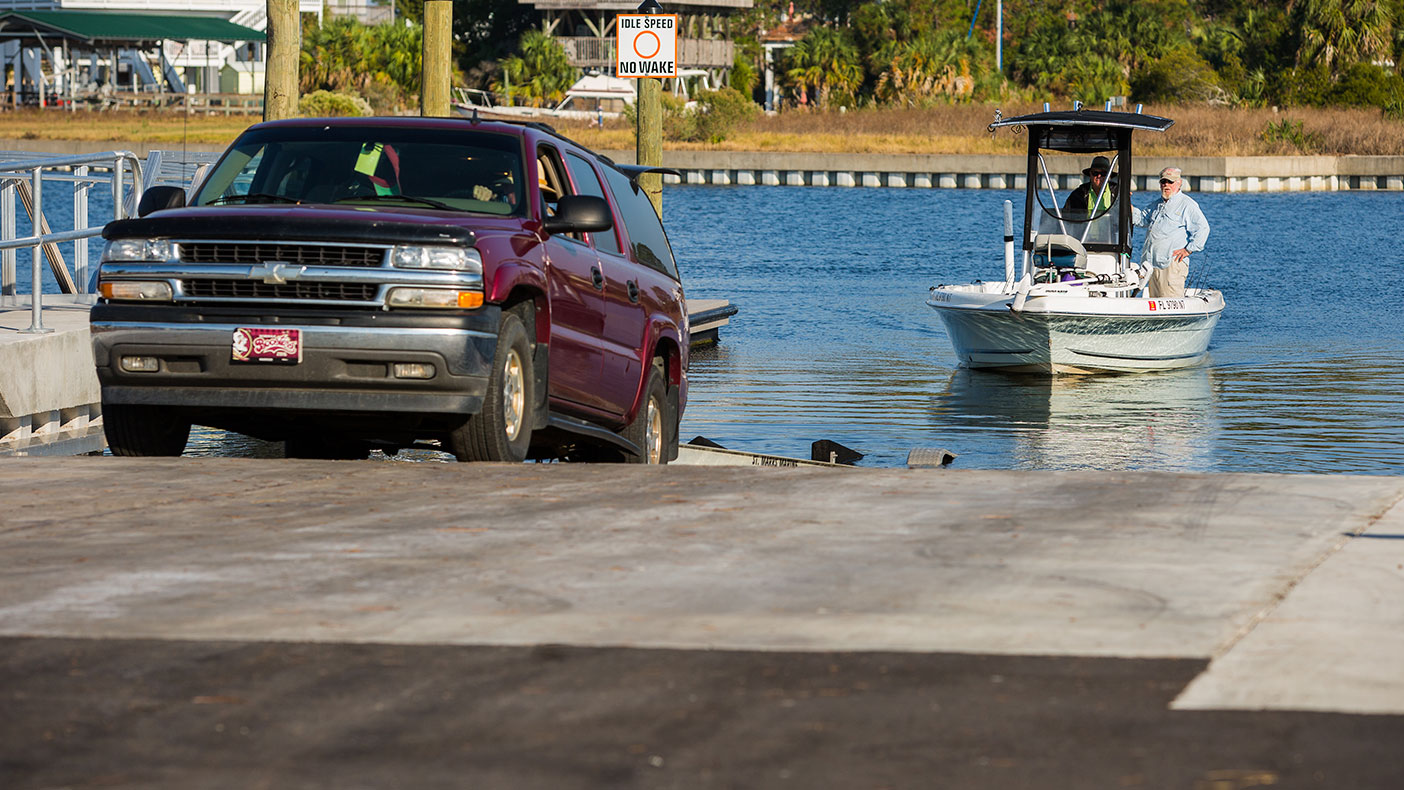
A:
(653, 428)
(144, 431)
(314, 446)
(501, 430)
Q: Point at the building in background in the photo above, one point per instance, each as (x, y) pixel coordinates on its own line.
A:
(131, 51)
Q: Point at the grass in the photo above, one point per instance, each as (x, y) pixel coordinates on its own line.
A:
(956, 129)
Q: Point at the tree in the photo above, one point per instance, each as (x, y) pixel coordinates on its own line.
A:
(378, 62)
(540, 70)
(825, 60)
(1339, 33)
(937, 63)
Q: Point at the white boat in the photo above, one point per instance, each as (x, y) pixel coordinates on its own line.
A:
(1079, 303)
(593, 97)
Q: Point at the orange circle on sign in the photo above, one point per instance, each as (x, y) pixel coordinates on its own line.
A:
(657, 45)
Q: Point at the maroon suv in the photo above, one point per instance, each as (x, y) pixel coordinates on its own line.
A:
(349, 284)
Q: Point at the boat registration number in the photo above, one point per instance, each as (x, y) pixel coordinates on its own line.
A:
(1167, 304)
(262, 344)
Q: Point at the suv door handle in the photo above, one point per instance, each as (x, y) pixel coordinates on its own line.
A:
(633, 291)
(597, 277)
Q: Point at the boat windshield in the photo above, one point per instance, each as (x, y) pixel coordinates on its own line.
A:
(1086, 209)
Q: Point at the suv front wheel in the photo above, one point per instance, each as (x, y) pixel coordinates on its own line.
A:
(144, 430)
(501, 430)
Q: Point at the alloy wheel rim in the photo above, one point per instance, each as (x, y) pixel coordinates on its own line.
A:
(653, 433)
(513, 395)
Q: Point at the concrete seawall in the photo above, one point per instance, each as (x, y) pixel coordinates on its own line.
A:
(955, 171)
(938, 171)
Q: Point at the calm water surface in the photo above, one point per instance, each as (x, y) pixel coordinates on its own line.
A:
(834, 341)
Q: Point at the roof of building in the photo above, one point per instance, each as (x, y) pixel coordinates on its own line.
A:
(630, 6)
(108, 26)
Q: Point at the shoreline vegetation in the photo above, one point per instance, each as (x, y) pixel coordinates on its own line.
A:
(1199, 130)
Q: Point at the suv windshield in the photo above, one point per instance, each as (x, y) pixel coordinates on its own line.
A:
(371, 165)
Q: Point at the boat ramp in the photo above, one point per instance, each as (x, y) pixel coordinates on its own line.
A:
(208, 623)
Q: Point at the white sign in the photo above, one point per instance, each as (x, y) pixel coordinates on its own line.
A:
(647, 45)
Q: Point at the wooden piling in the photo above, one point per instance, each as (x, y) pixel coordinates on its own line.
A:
(284, 52)
(435, 66)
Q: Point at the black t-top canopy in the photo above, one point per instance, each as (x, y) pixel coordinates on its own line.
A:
(1118, 120)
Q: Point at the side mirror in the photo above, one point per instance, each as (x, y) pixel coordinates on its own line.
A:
(160, 197)
(580, 214)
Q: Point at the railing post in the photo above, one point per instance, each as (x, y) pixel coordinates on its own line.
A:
(80, 222)
(8, 290)
(117, 212)
(36, 274)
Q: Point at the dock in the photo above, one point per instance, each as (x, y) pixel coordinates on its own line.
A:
(209, 623)
(705, 318)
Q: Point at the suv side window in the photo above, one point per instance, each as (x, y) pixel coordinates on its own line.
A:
(589, 184)
(550, 179)
(646, 233)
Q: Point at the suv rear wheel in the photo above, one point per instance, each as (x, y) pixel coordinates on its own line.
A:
(501, 430)
(144, 430)
(653, 428)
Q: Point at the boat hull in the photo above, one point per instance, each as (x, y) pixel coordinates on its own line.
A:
(1113, 335)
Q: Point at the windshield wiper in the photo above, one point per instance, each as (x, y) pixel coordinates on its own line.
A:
(405, 198)
(253, 197)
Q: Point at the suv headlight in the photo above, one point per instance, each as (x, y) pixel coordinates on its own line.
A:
(456, 259)
(138, 250)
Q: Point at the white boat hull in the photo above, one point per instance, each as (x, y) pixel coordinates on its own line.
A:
(1078, 334)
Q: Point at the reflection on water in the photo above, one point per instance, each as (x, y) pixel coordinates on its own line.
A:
(1145, 421)
(1315, 414)
(209, 442)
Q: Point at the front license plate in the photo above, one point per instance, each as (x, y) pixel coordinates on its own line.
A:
(258, 344)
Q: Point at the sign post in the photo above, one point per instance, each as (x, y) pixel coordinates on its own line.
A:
(647, 50)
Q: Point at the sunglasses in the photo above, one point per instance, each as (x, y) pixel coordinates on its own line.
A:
(1099, 174)
(1165, 181)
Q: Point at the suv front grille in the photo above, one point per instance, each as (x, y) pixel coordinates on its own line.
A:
(250, 289)
(299, 254)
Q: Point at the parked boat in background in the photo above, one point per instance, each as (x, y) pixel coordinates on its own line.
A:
(593, 97)
(1079, 304)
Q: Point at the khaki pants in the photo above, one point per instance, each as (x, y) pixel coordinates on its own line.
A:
(1169, 283)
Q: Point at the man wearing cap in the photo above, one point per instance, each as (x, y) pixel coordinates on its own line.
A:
(1093, 195)
(1176, 228)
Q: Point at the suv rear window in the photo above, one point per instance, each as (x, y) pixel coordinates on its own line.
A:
(479, 172)
(645, 231)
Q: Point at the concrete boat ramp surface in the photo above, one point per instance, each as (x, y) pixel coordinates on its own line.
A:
(241, 623)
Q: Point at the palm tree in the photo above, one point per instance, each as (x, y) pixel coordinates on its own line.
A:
(936, 62)
(826, 60)
(540, 70)
(1339, 33)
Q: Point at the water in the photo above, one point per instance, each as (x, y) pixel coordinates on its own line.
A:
(834, 341)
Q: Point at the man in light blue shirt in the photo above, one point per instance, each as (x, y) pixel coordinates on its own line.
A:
(1176, 228)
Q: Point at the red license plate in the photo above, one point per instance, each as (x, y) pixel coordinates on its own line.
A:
(258, 344)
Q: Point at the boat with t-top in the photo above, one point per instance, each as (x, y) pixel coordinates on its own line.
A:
(1078, 303)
